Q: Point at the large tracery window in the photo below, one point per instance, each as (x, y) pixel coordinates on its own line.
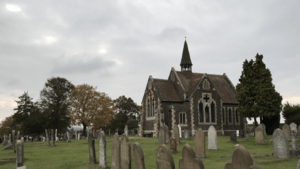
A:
(201, 114)
(182, 118)
(212, 112)
(148, 107)
(229, 116)
(236, 116)
(152, 108)
(207, 114)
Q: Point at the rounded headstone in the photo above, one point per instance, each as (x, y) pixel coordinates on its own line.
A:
(280, 144)
(212, 138)
(286, 130)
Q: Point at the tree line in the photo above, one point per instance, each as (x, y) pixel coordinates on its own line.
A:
(62, 104)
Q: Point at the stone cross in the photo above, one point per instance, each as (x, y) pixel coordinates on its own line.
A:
(102, 150)
(212, 138)
(52, 138)
(179, 129)
(126, 129)
(173, 145)
(233, 137)
(161, 136)
(200, 143)
(13, 140)
(91, 148)
(280, 144)
(138, 156)
(115, 152)
(164, 158)
(20, 153)
(241, 159)
(206, 98)
(189, 160)
(125, 153)
(286, 130)
(176, 134)
(259, 135)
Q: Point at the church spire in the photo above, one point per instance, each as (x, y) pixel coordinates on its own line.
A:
(186, 63)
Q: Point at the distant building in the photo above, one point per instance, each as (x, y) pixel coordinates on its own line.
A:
(194, 100)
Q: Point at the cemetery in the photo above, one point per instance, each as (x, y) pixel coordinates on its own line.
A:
(101, 150)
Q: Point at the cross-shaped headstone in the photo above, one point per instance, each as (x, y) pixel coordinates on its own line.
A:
(206, 98)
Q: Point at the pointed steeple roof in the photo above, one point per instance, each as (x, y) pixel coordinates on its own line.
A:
(186, 59)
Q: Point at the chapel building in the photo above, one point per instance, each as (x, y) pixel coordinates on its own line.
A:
(193, 100)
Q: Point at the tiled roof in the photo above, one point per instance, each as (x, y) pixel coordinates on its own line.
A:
(166, 90)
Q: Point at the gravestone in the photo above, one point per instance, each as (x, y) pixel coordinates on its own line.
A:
(19, 154)
(115, 152)
(237, 133)
(92, 153)
(264, 129)
(161, 136)
(189, 160)
(102, 150)
(132, 132)
(212, 138)
(298, 165)
(164, 158)
(241, 159)
(233, 137)
(186, 134)
(259, 135)
(295, 151)
(9, 146)
(176, 134)
(293, 127)
(68, 136)
(200, 143)
(138, 156)
(173, 145)
(52, 138)
(126, 129)
(280, 144)
(179, 129)
(13, 138)
(79, 136)
(56, 138)
(167, 134)
(18, 135)
(76, 135)
(286, 130)
(125, 153)
(9, 139)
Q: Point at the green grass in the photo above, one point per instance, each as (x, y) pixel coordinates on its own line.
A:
(76, 154)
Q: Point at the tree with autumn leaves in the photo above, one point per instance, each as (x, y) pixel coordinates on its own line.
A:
(89, 107)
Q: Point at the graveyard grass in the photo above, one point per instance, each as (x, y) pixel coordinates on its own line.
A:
(76, 154)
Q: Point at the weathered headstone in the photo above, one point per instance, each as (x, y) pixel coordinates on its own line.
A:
(237, 133)
(76, 135)
(56, 138)
(186, 134)
(18, 135)
(102, 150)
(52, 138)
(115, 152)
(179, 129)
(200, 143)
(241, 159)
(138, 156)
(259, 135)
(92, 149)
(13, 138)
(19, 154)
(132, 132)
(293, 126)
(286, 130)
(161, 136)
(173, 145)
(280, 144)
(126, 129)
(295, 151)
(233, 137)
(176, 134)
(79, 136)
(264, 129)
(167, 134)
(298, 165)
(164, 158)
(189, 160)
(125, 153)
(212, 138)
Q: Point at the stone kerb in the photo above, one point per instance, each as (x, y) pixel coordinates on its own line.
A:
(164, 158)
(115, 153)
(161, 136)
(125, 153)
(259, 135)
(176, 134)
(280, 144)
(138, 156)
(102, 150)
(212, 138)
(200, 143)
(286, 130)
(92, 153)
(241, 159)
(189, 160)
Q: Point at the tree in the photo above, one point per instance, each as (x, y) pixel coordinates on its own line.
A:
(90, 107)
(291, 113)
(255, 93)
(7, 125)
(55, 103)
(125, 108)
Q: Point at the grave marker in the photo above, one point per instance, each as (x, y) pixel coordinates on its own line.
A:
(13, 140)
(259, 135)
(241, 159)
(173, 145)
(200, 143)
(212, 138)
(179, 129)
(115, 152)
(176, 134)
(233, 137)
(161, 136)
(167, 134)
(164, 159)
(189, 160)
(92, 149)
(125, 153)
(19, 154)
(126, 129)
(280, 144)
(102, 150)
(286, 130)
(138, 156)
(186, 134)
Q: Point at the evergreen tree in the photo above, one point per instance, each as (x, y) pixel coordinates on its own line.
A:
(291, 113)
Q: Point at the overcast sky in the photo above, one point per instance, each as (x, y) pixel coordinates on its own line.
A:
(116, 45)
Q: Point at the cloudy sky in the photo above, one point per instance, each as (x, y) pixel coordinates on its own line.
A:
(116, 45)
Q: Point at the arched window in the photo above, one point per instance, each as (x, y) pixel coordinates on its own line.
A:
(150, 112)
(236, 116)
(148, 107)
(153, 109)
(182, 118)
(229, 114)
(223, 115)
(201, 114)
(207, 113)
(212, 112)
